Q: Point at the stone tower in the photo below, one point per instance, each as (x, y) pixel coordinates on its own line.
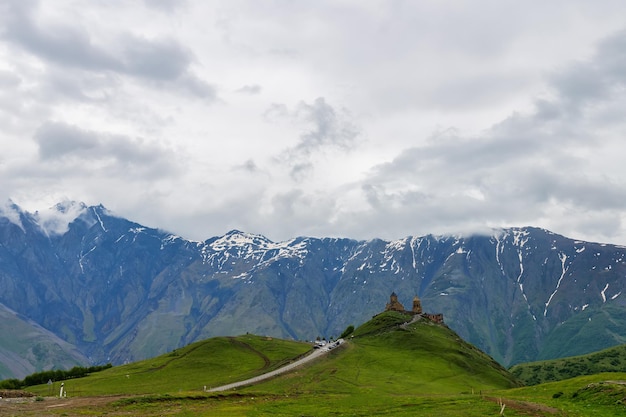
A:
(394, 304)
(417, 305)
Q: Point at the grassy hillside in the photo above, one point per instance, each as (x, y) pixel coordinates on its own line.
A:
(388, 368)
(592, 395)
(211, 362)
(608, 360)
(421, 358)
(385, 368)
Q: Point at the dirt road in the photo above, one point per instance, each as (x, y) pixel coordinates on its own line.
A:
(314, 355)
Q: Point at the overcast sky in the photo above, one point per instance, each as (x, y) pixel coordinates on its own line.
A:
(345, 118)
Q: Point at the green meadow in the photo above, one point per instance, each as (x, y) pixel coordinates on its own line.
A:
(385, 368)
(607, 360)
(597, 395)
(209, 363)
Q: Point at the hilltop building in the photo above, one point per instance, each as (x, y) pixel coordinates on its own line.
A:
(395, 305)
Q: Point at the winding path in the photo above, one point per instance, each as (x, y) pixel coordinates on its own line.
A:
(314, 355)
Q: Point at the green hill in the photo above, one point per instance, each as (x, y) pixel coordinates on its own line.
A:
(385, 355)
(596, 395)
(386, 367)
(608, 360)
(211, 362)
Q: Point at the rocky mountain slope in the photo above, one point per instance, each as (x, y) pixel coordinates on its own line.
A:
(116, 291)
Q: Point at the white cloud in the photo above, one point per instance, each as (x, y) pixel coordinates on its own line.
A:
(56, 220)
(10, 211)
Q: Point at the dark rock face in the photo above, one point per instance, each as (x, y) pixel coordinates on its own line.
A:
(116, 291)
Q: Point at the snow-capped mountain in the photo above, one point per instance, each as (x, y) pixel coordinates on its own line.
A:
(110, 290)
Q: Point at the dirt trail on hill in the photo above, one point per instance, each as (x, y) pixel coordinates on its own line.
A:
(50, 406)
(530, 409)
(246, 346)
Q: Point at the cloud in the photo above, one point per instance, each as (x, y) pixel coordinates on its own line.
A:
(59, 142)
(56, 220)
(167, 6)
(10, 211)
(58, 139)
(323, 129)
(328, 127)
(63, 44)
(161, 60)
(527, 167)
(250, 89)
(597, 79)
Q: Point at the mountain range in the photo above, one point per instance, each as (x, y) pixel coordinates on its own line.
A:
(80, 285)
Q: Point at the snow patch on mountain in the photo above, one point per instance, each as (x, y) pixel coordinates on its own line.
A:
(603, 293)
(563, 258)
(250, 246)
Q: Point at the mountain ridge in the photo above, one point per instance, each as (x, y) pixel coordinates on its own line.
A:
(120, 291)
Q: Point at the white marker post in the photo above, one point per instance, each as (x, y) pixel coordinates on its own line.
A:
(62, 389)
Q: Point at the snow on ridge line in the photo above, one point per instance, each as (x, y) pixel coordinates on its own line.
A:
(242, 239)
(55, 220)
(251, 245)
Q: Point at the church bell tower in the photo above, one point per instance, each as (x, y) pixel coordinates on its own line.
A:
(417, 305)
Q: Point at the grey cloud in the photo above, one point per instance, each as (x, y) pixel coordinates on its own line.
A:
(323, 128)
(167, 6)
(88, 150)
(299, 171)
(9, 80)
(580, 83)
(598, 78)
(612, 54)
(78, 85)
(607, 224)
(62, 44)
(283, 204)
(328, 126)
(471, 90)
(196, 87)
(250, 166)
(521, 169)
(162, 60)
(58, 139)
(275, 113)
(250, 89)
(298, 212)
(372, 195)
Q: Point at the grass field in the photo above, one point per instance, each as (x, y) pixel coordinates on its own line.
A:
(608, 360)
(212, 362)
(592, 395)
(386, 369)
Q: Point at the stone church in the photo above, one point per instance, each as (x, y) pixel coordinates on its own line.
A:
(395, 305)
